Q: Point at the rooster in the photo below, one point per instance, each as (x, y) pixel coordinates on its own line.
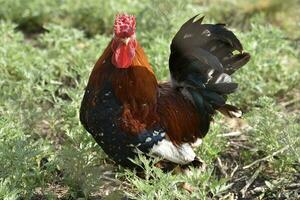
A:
(127, 111)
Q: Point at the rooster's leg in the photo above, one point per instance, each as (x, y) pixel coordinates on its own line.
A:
(165, 165)
(196, 163)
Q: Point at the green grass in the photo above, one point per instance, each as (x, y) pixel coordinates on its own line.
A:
(47, 50)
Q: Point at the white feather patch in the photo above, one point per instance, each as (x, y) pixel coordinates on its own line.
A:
(182, 154)
(237, 114)
(187, 94)
(197, 143)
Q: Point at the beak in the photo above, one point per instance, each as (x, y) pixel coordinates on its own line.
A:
(125, 40)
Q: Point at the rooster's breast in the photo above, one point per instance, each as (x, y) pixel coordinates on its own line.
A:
(100, 112)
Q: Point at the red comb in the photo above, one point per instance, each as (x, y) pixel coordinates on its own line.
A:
(124, 25)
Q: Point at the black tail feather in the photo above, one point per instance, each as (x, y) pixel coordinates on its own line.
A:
(212, 97)
(203, 108)
(235, 62)
(223, 88)
(230, 111)
(202, 60)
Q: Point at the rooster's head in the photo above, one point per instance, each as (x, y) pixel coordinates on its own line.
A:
(124, 42)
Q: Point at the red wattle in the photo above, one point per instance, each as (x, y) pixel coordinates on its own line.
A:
(123, 55)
